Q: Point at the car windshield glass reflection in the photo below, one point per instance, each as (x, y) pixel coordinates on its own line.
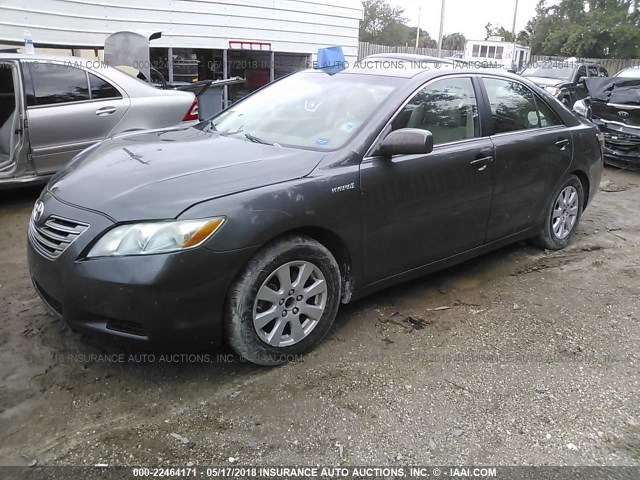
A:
(314, 110)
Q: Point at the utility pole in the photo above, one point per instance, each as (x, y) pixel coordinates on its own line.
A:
(513, 55)
(440, 33)
(418, 30)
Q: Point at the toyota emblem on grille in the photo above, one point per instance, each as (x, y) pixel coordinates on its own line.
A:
(38, 210)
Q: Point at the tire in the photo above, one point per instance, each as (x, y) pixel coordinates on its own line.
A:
(286, 325)
(561, 220)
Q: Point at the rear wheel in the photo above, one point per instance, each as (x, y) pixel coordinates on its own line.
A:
(562, 216)
(284, 302)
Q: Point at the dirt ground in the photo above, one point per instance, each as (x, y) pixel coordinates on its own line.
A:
(519, 357)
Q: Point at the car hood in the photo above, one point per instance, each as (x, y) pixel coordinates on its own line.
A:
(159, 174)
(615, 99)
(546, 82)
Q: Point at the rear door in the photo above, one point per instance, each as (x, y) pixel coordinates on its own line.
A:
(533, 149)
(68, 110)
(422, 208)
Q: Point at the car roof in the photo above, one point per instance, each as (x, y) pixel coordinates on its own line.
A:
(407, 57)
(410, 71)
(133, 86)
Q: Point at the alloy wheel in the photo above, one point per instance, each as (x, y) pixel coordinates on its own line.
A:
(565, 212)
(289, 304)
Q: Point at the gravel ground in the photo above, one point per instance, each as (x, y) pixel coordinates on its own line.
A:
(520, 357)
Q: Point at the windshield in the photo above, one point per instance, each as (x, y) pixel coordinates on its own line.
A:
(307, 110)
(629, 73)
(546, 72)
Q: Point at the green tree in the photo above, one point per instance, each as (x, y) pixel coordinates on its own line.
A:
(383, 23)
(498, 31)
(386, 25)
(454, 41)
(591, 28)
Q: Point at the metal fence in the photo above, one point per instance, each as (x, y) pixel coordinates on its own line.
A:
(366, 48)
(613, 65)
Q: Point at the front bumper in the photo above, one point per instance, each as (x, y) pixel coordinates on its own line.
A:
(622, 145)
(167, 300)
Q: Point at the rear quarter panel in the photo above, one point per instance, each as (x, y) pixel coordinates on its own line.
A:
(587, 156)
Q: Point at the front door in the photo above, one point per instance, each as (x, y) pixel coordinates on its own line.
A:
(69, 109)
(422, 208)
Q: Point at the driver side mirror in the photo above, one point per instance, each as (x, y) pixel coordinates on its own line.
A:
(407, 141)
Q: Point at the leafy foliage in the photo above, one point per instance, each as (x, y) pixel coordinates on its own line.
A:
(586, 28)
(386, 25)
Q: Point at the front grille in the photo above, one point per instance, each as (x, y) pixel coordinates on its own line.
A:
(622, 139)
(55, 235)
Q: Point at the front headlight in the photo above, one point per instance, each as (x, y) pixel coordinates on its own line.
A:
(552, 90)
(155, 237)
(582, 108)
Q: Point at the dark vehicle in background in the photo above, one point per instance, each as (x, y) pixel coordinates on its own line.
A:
(316, 190)
(614, 106)
(565, 81)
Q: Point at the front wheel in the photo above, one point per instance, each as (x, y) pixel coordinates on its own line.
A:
(284, 302)
(562, 216)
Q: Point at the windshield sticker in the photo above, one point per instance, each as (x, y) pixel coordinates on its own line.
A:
(323, 142)
(348, 127)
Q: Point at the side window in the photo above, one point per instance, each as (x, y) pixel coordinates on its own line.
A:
(582, 72)
(514, 107)
(447, 108)
(603, 72)
(102, 89)
(548, 117)
(54, 84)
(593, 70)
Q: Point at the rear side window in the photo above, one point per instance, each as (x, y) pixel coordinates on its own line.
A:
(54, 84)
(447, 108)
(514, 107)
(593, 71)
(102, 89)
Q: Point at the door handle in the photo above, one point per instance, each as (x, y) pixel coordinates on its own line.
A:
(105, 111)
(481, 163)
(562, 143)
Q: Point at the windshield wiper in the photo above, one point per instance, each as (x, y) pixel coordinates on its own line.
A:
(255, 139)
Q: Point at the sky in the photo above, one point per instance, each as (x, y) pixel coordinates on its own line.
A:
(466, 16)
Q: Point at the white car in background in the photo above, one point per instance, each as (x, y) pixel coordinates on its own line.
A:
(53, 107)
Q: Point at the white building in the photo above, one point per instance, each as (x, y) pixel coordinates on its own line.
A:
(495, 51)
(256, 39)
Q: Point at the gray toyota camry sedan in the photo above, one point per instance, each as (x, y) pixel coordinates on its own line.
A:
(253, 227)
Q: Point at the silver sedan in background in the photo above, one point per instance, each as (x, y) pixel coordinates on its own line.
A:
(53, 107)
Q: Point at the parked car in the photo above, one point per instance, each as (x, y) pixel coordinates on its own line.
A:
(614, 106)
(316, 190)
(565, 81)
(53, 107)
(630, 72)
